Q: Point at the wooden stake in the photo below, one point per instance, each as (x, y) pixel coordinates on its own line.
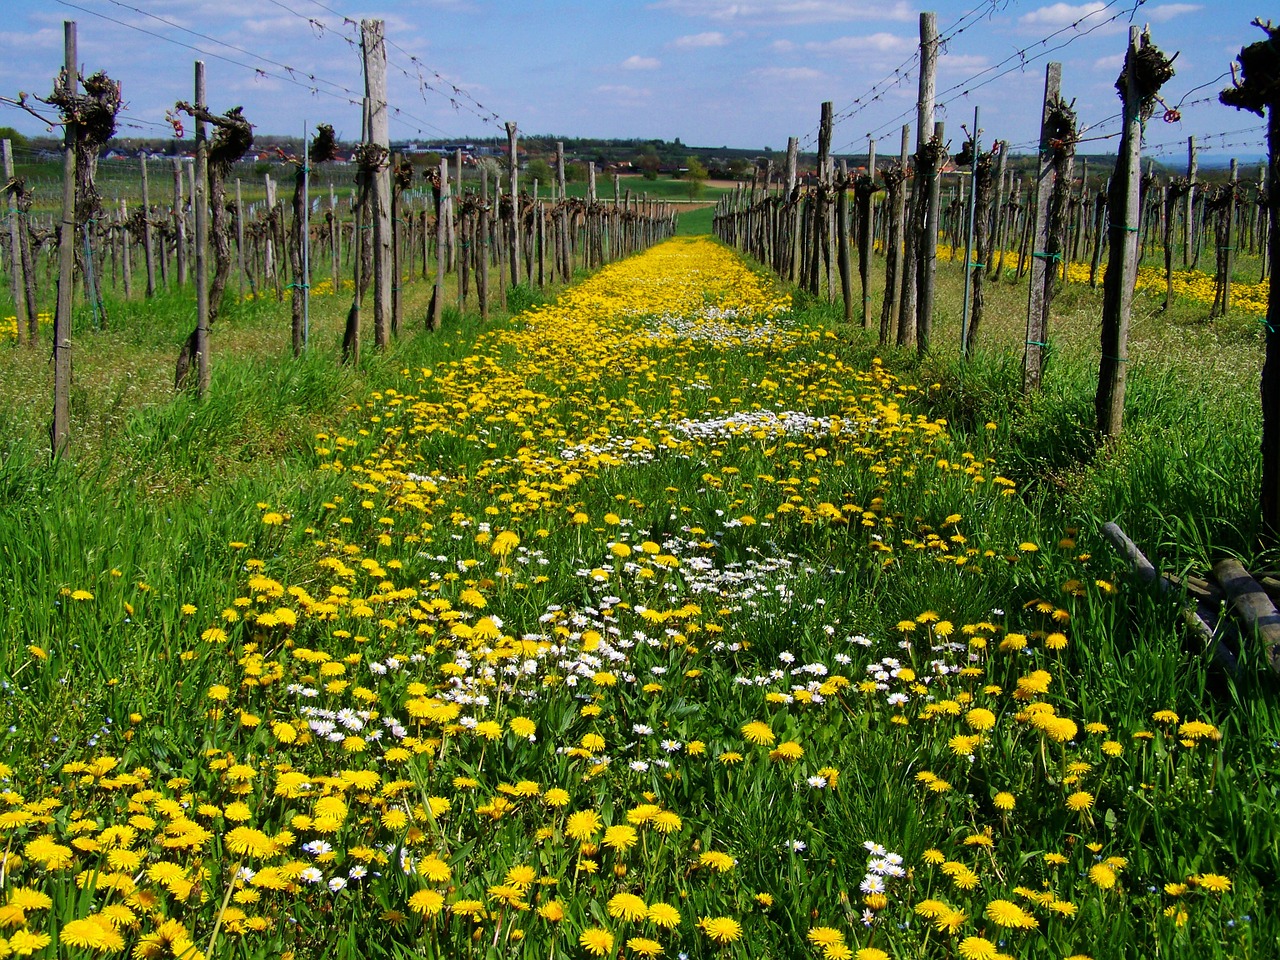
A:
(60, 430)
(199, 202)
(1122, 259)
(374, 51)
(1041, 267)
(17, 276)
(513, 172)
(147, 252)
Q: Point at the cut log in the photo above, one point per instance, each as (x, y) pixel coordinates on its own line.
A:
(1195, 620)
(1252, 605)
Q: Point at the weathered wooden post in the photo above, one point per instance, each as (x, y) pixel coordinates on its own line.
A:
(437, 295)
(1041, 262)
(976, 148)
(1145, 69)
(927, 269)
(17, 275)
(1188, 236)
(864, 189)
(374, 51)
(842, 186)
(1256, 87)
(200, 205)
(895, 182)
(179, 223)
(513, 172)
(147, 253)
(60, 430)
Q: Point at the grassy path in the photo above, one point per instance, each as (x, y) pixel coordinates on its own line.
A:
(649, 623)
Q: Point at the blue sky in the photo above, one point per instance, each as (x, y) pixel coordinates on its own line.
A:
(742, 73)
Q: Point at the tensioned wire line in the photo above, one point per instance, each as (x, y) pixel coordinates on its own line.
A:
(898, 76)
(1023, 57)
(346, 95)
(459, 100)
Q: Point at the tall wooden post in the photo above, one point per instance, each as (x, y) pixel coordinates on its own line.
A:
(374, 51)
(842, 240)
(1122, 258)
(513, 172)
(482, 251)
(1033, 354)
(179, 223)
(1188, 236)
(147, 253)
(969, 235)
(901, 324)
(17, 277)
(60, 430)
(200, 203)
(240, 238)
(866, 232)
(562, 219)
(126, 250)
(437, 296)
(926, 278)
(793, 225)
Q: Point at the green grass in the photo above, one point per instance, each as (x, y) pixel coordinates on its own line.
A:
(164, 503)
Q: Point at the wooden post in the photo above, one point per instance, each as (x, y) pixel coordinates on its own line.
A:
(1270, 494)
(200, 204)
(513, 170)
(842, 240)
(482, 250)
(866, 232)
(240, 237)
(1122, 258)
(927, 271)
(375, 70)
(147, 252)
(1041, 268)
(969, 237)
(562, 220)
(179, 223)
(269, 243)
(1226, 244)
(335, 242)
(17, 276)
(60, 430)
(437, 295)
(793, 200)
(126, 250)
(900, 324)
(1188, 236)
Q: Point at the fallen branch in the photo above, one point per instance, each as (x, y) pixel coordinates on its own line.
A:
(1252, 605)
(1191, 616)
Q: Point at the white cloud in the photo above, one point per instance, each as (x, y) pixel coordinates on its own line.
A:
(696, 41)
(782, 46)
(791, 11)
(622, 94)
(640, 63)
(1113, 62)
(953, 63)
(867, 43)
(787, 74)
(1167, 11)
(1060, 14)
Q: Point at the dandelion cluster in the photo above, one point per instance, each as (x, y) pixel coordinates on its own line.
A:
(601, 636)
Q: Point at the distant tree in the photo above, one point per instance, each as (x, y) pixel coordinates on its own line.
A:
(575, 172)
(738, 168)
(12, 135)
(695, 175)
(539, 170)
(648, 161)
